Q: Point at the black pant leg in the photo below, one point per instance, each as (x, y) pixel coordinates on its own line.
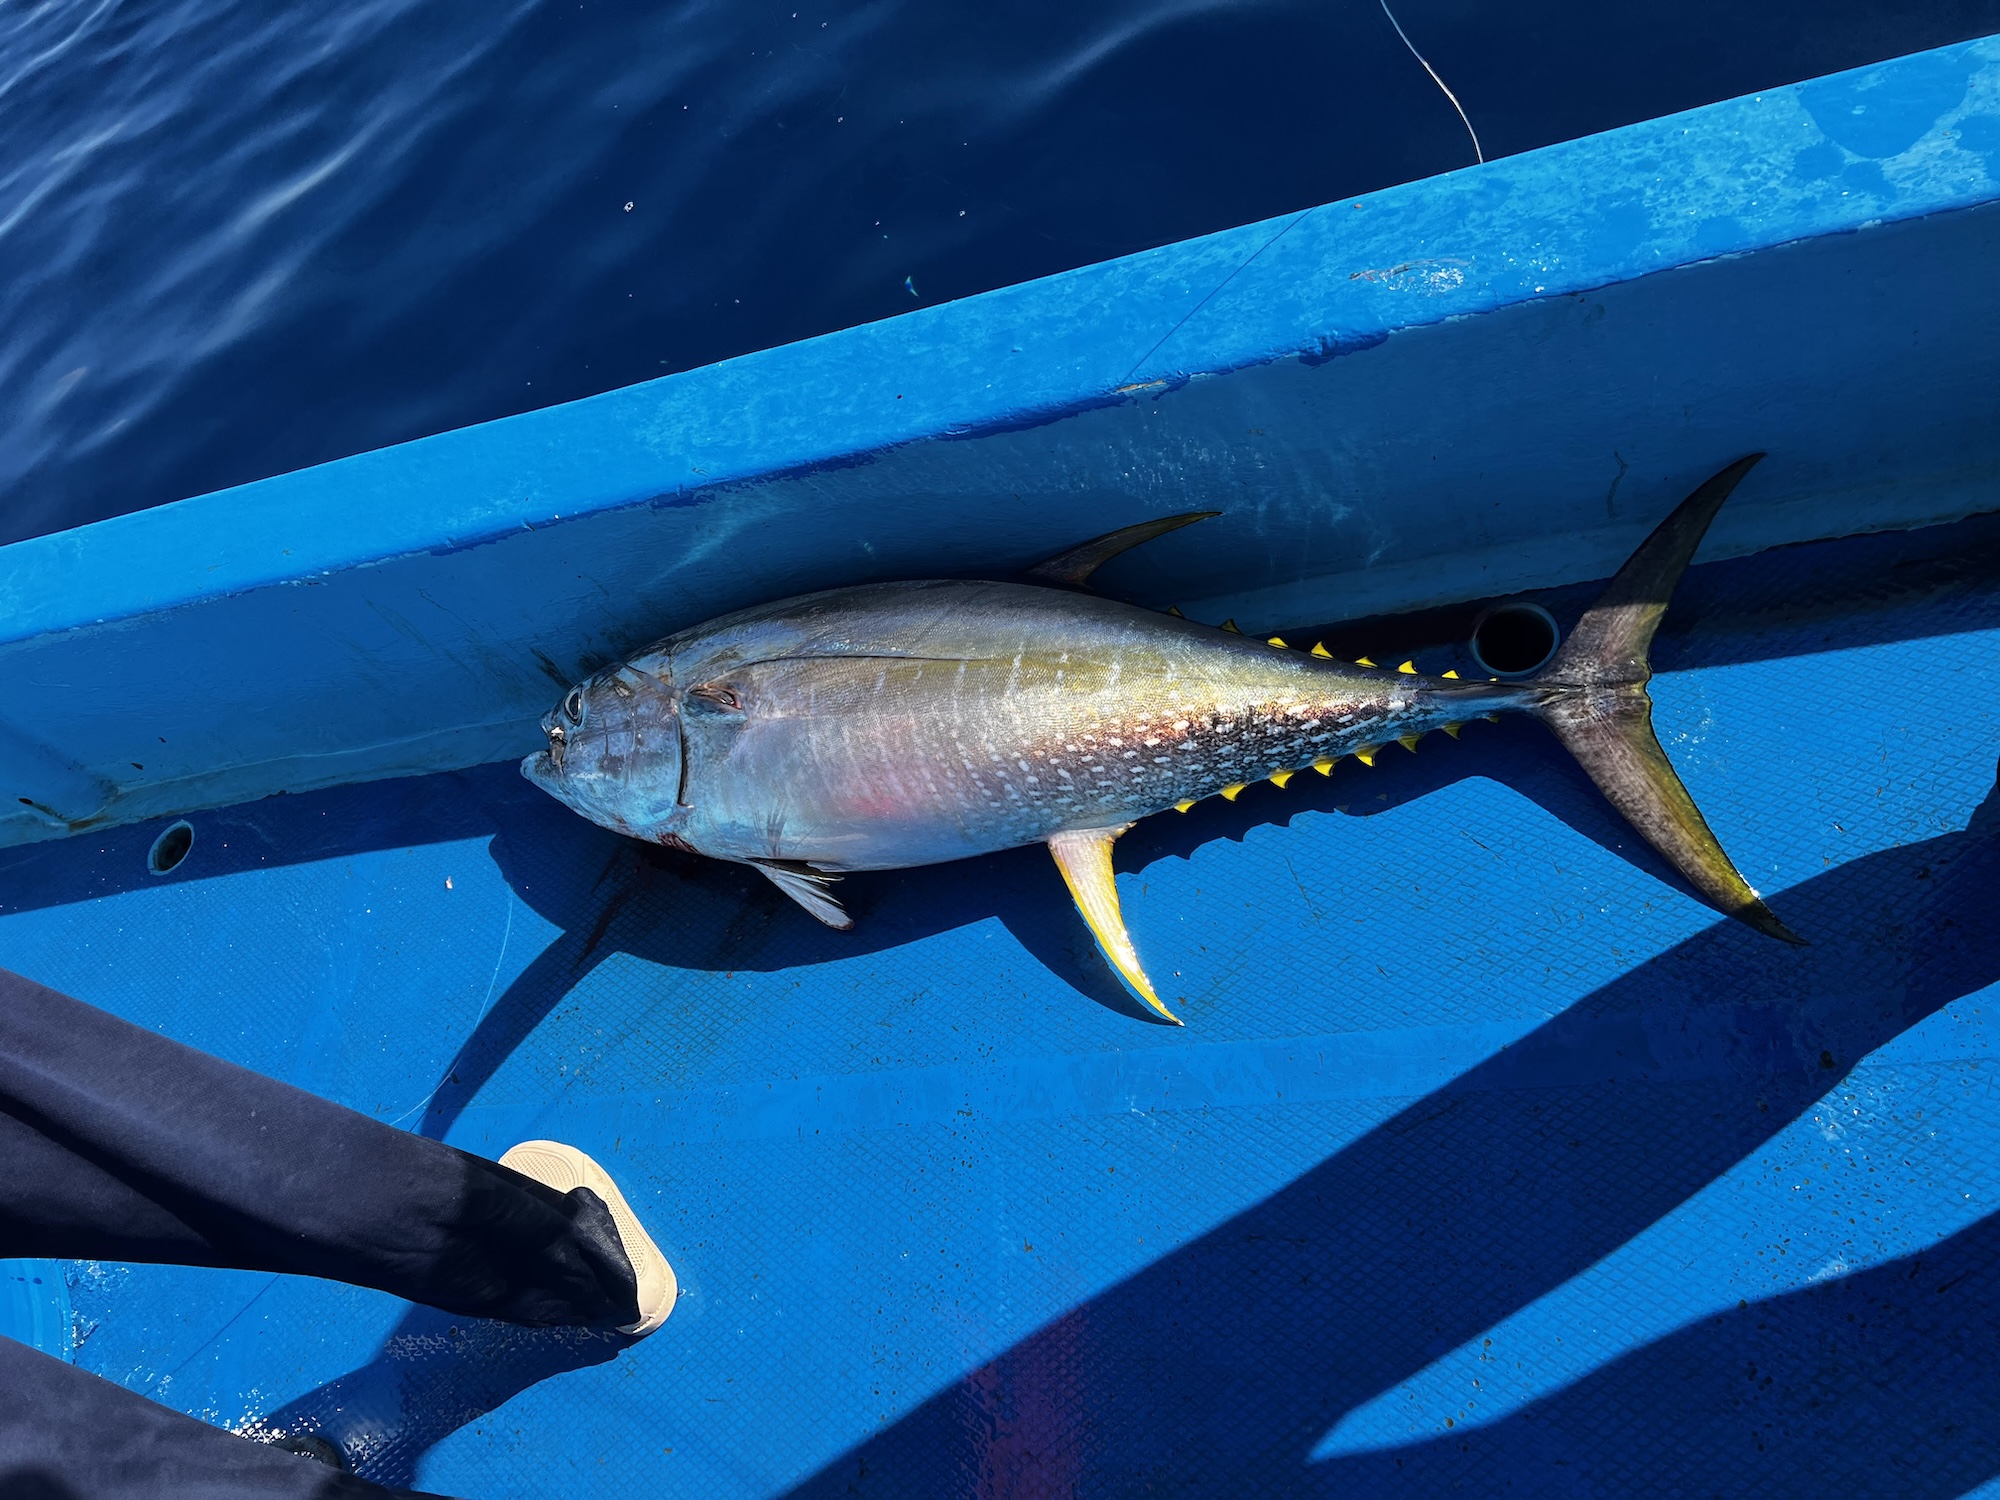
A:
(118, 1144)
(67, 1435)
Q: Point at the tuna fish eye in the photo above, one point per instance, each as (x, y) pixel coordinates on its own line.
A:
(573, 706)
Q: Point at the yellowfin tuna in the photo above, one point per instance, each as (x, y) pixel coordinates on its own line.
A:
(903, 724)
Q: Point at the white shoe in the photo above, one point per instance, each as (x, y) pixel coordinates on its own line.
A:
(561, 1167)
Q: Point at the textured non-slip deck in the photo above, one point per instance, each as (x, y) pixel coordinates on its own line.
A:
(1487, 1163)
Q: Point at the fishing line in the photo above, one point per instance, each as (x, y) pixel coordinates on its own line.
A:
(1212, 295)
(1480, 155)
(484, 1006)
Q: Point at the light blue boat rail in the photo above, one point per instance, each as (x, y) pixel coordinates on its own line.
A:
(1454, 388)
(1488, 1162)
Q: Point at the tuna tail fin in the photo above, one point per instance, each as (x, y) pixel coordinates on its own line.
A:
(1593, 695)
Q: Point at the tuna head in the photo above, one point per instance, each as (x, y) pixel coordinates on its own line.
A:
(614, 752)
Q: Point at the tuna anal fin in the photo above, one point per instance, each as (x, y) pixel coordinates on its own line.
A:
(1085, 861)
(1594, 697)
(808, 887)
(1076, 565)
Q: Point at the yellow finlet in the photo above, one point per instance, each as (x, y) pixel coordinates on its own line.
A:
(1319, 650)
(1408, 742)
(1279, 778)
(1453, 729)
(1175, 611)
(1084, 857)
(1230, 626)
(1362, 661)
(1276, 640)
(1324, 767)
(1229, 792)
(1451, 672)
(1184, 804)
(1410, 667)
(1491, 718)
(1366, 754)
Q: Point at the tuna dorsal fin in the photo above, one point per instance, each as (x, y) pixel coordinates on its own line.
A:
(808, 887)
(1076, 565)
(1084, 857)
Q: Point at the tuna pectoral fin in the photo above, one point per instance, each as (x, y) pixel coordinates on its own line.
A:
(1085, 861)
(1593, 696)
(1076, 565)
(806, 886)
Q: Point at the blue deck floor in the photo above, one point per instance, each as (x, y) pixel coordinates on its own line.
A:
(1487, 1163)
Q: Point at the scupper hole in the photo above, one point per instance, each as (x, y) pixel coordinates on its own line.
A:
(170, 848)
(1512, 640)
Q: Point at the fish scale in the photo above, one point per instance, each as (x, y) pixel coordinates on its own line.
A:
(890, 761)
(898, 724)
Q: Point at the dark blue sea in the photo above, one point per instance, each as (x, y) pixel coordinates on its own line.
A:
(238, 238)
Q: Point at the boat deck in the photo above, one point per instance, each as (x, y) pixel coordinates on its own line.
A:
(1487, 1161)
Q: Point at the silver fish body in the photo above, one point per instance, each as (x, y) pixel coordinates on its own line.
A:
(901, 724)
(911, 723)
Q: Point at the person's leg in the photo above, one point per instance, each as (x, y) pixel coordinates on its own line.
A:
(67, 1435)
(122, 1145)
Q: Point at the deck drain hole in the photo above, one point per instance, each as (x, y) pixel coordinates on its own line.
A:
(1512, 640)
(170, 848)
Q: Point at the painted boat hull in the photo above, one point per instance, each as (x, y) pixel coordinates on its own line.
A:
(1487, 1156)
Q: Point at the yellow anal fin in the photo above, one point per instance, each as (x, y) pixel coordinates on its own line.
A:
(1279, 778)
(1084, 857)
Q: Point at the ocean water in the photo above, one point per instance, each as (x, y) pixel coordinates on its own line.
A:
(236, 239)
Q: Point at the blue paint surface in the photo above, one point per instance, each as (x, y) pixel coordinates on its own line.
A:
(1487, 1158)
(1449, 389)
(34, 1305)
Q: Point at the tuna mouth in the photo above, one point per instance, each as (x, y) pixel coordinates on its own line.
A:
(558, 741)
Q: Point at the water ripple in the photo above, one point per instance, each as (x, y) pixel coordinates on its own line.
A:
(236, 239)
